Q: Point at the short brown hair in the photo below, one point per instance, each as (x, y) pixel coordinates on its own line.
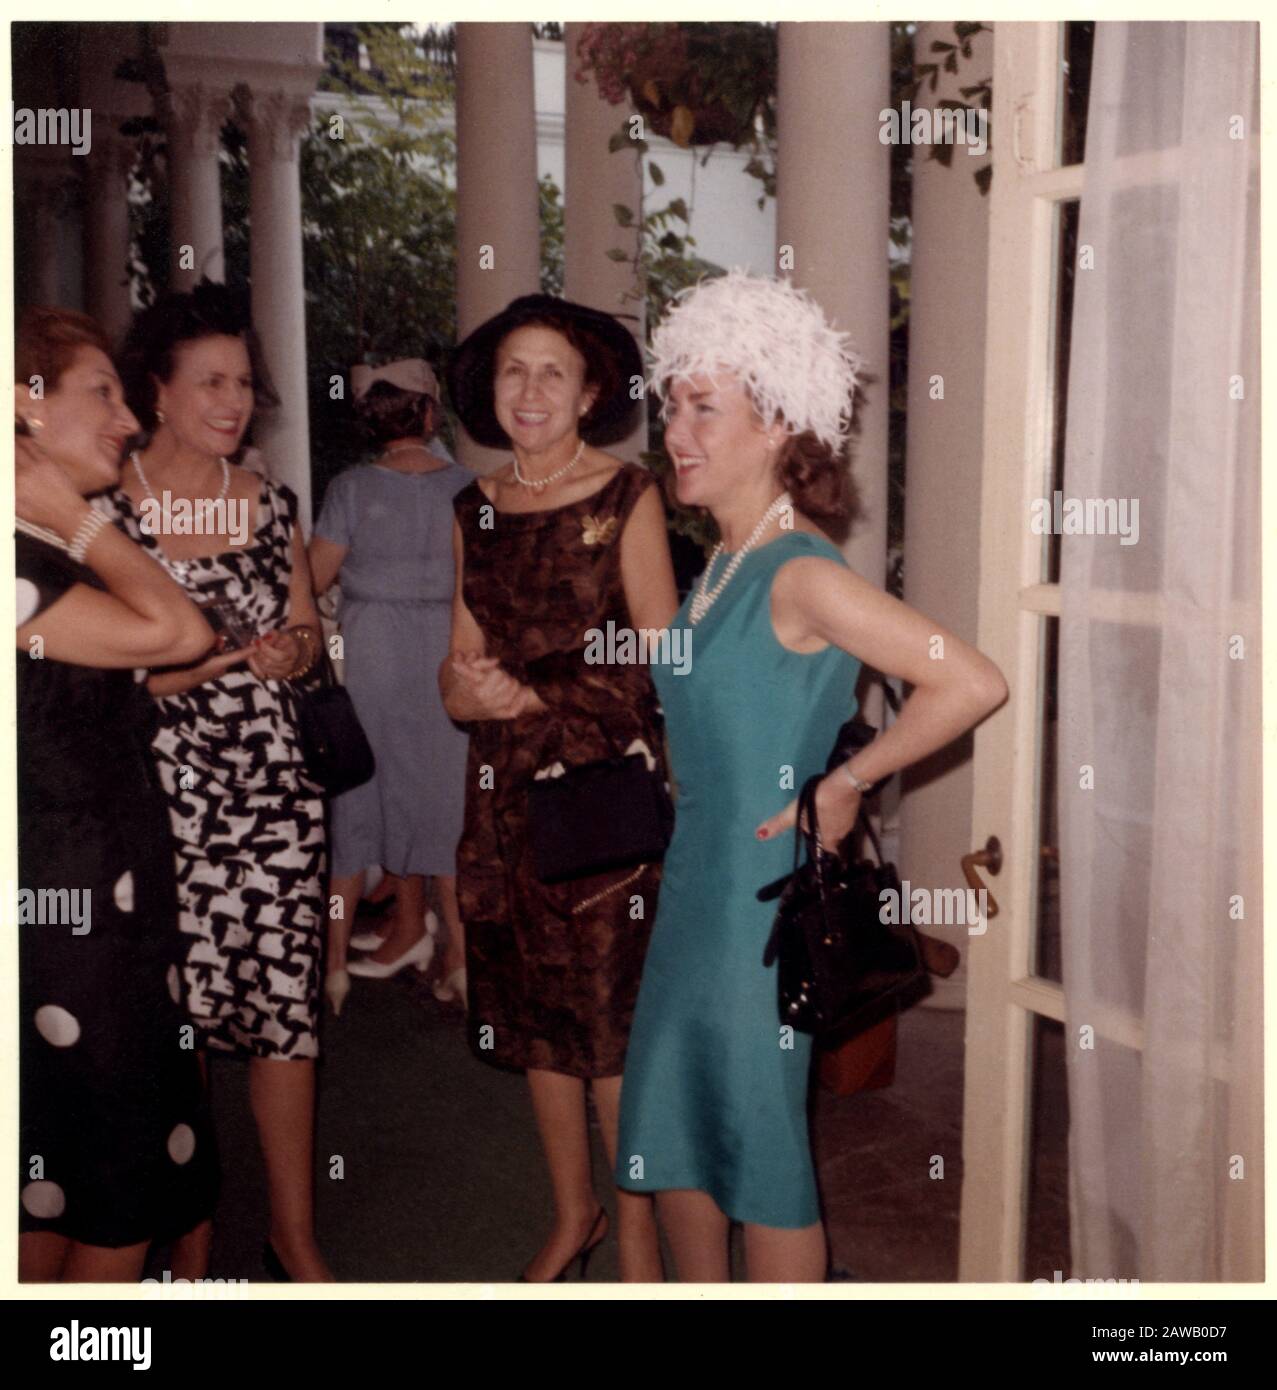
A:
(48, 340)
(385, 413)
(818, 480)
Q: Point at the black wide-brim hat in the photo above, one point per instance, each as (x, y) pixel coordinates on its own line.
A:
(470, 373)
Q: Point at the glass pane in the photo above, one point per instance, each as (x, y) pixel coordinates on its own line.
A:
(1064, 276)
(1046, 851)
(1077, 42)
(1046, 1218)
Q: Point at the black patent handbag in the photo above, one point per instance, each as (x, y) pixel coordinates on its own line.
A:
(612, 813)
(336, 749)
(840, 967)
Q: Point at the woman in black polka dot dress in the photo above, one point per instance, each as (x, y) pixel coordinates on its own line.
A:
(116, 1146)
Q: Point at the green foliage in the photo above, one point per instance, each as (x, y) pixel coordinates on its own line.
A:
(551, 236)
(379, 227)
(978, 94)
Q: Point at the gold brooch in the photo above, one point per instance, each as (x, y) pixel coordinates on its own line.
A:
(596, 532)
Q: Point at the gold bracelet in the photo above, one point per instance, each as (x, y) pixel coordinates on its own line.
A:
(859, 783)
(309, 641)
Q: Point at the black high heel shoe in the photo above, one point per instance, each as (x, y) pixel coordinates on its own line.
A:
(274, 1265)
(582, 1256)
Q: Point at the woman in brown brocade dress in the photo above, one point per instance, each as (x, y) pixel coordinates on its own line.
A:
(564, 539)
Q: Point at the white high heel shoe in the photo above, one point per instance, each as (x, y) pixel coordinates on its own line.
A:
(420, 954)
(454, 987)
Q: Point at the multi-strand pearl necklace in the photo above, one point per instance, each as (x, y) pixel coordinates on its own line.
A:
(78, 545)
(704, 597)
(41, 533)
(539, 483)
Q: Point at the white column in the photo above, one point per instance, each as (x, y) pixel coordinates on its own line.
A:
(595, 180)
(42, 177)
(498, 227)
(194, 114)
(107, 294)
(275, 121)
(942, 514)
(832, 207)
(113, 102)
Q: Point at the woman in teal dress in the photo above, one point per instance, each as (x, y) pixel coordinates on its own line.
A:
(758, 390)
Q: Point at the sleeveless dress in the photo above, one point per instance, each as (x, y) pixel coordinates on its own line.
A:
(714, 1096)
(116, 1143)
(248, 821)
(552, 977)
(396, 614)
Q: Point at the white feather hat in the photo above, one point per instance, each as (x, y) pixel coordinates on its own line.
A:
(776, 340)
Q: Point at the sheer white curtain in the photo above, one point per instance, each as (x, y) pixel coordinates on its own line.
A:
(1160, 667)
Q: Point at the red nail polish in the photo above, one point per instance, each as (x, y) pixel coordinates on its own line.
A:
(762, 834)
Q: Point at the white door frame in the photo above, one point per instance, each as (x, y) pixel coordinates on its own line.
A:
(1003, 996)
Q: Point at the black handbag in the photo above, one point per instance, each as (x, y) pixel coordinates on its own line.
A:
(337, 752)
(841, 968)
(609, 814)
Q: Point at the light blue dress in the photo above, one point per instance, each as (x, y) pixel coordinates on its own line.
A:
(396, 614)
(714, 1095)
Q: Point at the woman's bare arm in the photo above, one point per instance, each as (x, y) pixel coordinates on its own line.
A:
(326, 559)
(143, 619)
(465, 644)
(271, 659)
(955, 686)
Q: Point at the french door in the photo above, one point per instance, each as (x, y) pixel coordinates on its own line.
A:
(1015, 999)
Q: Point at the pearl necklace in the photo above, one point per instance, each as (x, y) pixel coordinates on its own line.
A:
(137, 463)
(407, 449)
(179, 569)
(539, 483)
(703, 599)
(42, 533)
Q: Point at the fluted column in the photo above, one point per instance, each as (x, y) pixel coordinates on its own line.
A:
(947, 285)
(596, 180)
(194, 113)
(276, 121)
(832, 208)
(42, 178)
(106, 235)
(107, 293)
(498, 227)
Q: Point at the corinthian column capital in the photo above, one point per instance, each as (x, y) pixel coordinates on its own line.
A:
(276, 119)
(114, 154)
(194, 114)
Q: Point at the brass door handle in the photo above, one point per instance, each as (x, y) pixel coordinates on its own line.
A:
(990, 857)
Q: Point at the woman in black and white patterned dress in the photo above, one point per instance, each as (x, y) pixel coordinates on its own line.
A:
(248, 821)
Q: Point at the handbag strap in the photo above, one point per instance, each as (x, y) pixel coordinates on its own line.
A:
(808, 833)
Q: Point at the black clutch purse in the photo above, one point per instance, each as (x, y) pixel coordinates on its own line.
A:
(608, 814)
(841, 968)
(337, 752)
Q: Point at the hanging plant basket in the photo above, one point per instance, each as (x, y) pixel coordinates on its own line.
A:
(694, 83)
(673, 105)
